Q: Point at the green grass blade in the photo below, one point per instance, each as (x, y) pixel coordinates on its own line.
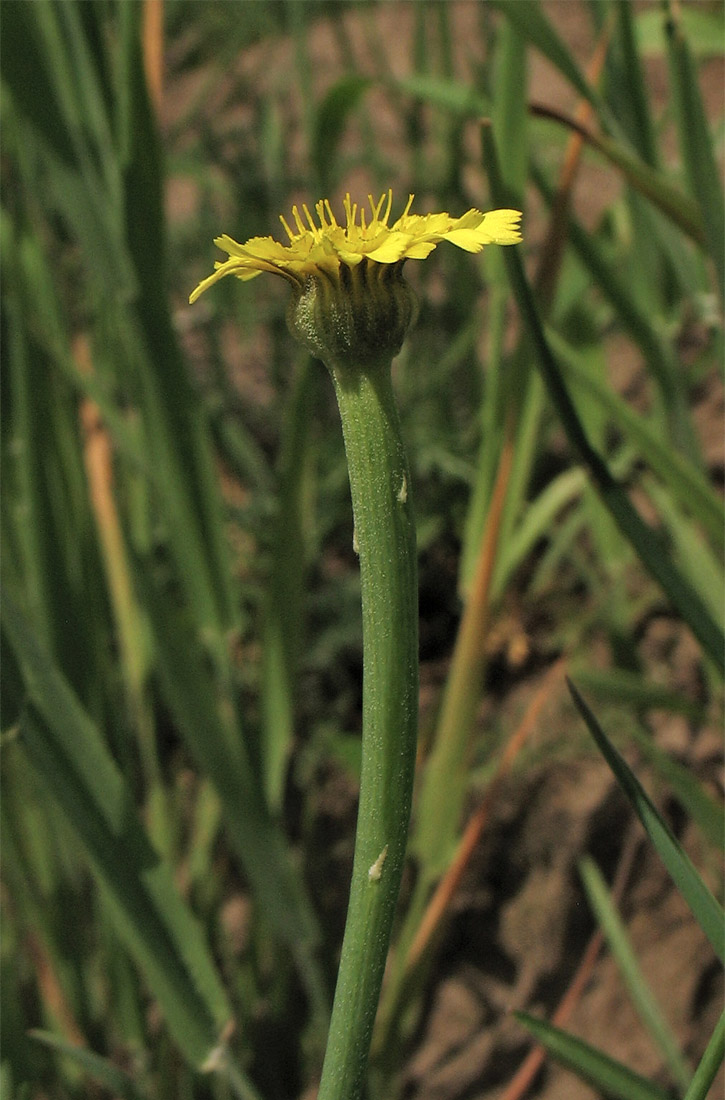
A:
(631, 87)
(702, 24)
(507, 381)
(621, 685)
(175, 421)
(533, 26)
(708, 814)
(30, 31)
(100, 1069)
(634, 318)
(509, 111)
(538, 522)
(684, 480)
(207, 721)
(647, 1008)
(608, 1077)
(283, 616)
(709, 1065)
(156, 926)
(654, 185)
(438, 91)
(330, 120)
(644, 540)
(696, 142)
(701, 565)
(707, 911)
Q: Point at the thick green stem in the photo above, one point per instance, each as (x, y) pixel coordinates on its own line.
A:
(385, 538)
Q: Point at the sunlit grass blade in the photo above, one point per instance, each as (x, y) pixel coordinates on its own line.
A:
(707, 911)
(709, 1065)
(155, 924)
(609, 1077)
(644, 540)
(647, 1007)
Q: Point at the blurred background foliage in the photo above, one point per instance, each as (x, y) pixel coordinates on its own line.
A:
(182, 650)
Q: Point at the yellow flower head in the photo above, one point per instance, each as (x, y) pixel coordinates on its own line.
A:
(321, 249)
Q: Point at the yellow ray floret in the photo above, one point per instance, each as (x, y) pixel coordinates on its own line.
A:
(320, 247)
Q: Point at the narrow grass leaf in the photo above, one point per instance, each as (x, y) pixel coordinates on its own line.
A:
(654, 185)
(533, 26)
(204, 713)
(699, 563)
(284, 596)
(707, 911)
(608, 1077)
(645, 541)
(509, 111)
(155, 924)
(329, 123)
(705, 811)
(642, 997)
(172, 410)
(449, 95)
(684, 479)
(621, 685)
(633, 95)
(709, 1065)
(102, 1071)
(510, 383)
(702, 25)
(537, 522)
(634, 319)
(30, 31)
(696, 143)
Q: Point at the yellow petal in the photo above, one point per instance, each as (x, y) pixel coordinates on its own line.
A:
(468, 239)
(419, 250)
(391, 247)
(501, 227)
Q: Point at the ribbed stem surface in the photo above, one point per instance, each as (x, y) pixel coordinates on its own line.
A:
(385, 538)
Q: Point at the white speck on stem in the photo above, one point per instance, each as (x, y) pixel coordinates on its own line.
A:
(403, 491)
(355, 543)
(377, 868)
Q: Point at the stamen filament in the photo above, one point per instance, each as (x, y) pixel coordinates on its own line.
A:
(310, 222)
(287, 229)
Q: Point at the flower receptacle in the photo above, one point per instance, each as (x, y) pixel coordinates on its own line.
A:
(360, 316)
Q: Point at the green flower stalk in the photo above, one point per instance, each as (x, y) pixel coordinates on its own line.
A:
(351, 308)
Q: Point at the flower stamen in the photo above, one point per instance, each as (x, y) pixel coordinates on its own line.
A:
(287, 229)
(298, 221)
